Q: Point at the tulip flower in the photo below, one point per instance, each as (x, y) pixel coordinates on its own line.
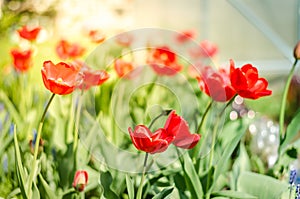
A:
(80, 180)
(93, 78)
(176, 125)
(185, 36)
(96, 36)
(204, 50)
(164, 62)
(144, 140)
(29, 33)
(21, 59)
(124, 39)
(247, 83)
(297, 51)
(216, 84)
(60, 78)
(66, 50)
(122, 67)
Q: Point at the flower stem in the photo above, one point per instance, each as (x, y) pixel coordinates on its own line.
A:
(140, 189)
(198, 147)
(214, 136)
(163, 113)
(284, 97)
(36, 146)
(204, 116)
(75, 142)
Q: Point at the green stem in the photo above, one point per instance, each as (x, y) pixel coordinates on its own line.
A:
(75, 143)
(163, 113)
(140, 189)
(214, 136)
(284, 98)
(204, 116)
(198, 147)
(36, 146)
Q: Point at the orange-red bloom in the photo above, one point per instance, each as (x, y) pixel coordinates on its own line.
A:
(96, 36)
(67, 50)
(122, 67)
(205, 49)
(216, 84)
(164, 62)
(92, 77)
(247, 83)
(80, 180)
(22, 59)
(175, 131)
(29, 33)
(176, 125)
(144, 140)
(124, 39)
(60, 78)
(185, 36)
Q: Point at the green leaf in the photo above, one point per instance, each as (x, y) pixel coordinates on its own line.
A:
(239, 129)
(106, 181)
(291, 132)
(165, 193)
(261, 186)
(233, 194)
(207, 178)
(130, 187)
(191, 173)
(36, 192)
(19, 167)
(47, 188)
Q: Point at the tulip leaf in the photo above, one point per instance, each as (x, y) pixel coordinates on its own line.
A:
(106, 181)
(19, 167)
(191, 173)
(291, 132)
(239, 130)
(36, 192)
(165, 193)
(261, 186)
(47, 188)
(233, 194)
(130, 187)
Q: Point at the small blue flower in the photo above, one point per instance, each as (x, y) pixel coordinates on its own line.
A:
(11, 129)
(297, 192)
(293, 175)
(5, 163)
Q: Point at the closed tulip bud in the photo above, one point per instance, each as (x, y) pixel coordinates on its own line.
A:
(297, 51)
(80, 180)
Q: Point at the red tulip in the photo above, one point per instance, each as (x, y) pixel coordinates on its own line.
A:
(205, 49)
(96, 36)
(66, 50)
(216, 84)
(144, 140)
(22, 59)
(80, 180)
(122, 67)
(60, 78)
(246, 82)
(124, 39)
(176, 125)
(164, 62)
(92, 77)
(29, 33)
(185, 36)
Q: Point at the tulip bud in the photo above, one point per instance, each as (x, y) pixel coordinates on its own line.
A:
(297, 51)
(80, 180)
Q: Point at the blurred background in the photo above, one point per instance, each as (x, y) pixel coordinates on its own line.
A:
(263, 33)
